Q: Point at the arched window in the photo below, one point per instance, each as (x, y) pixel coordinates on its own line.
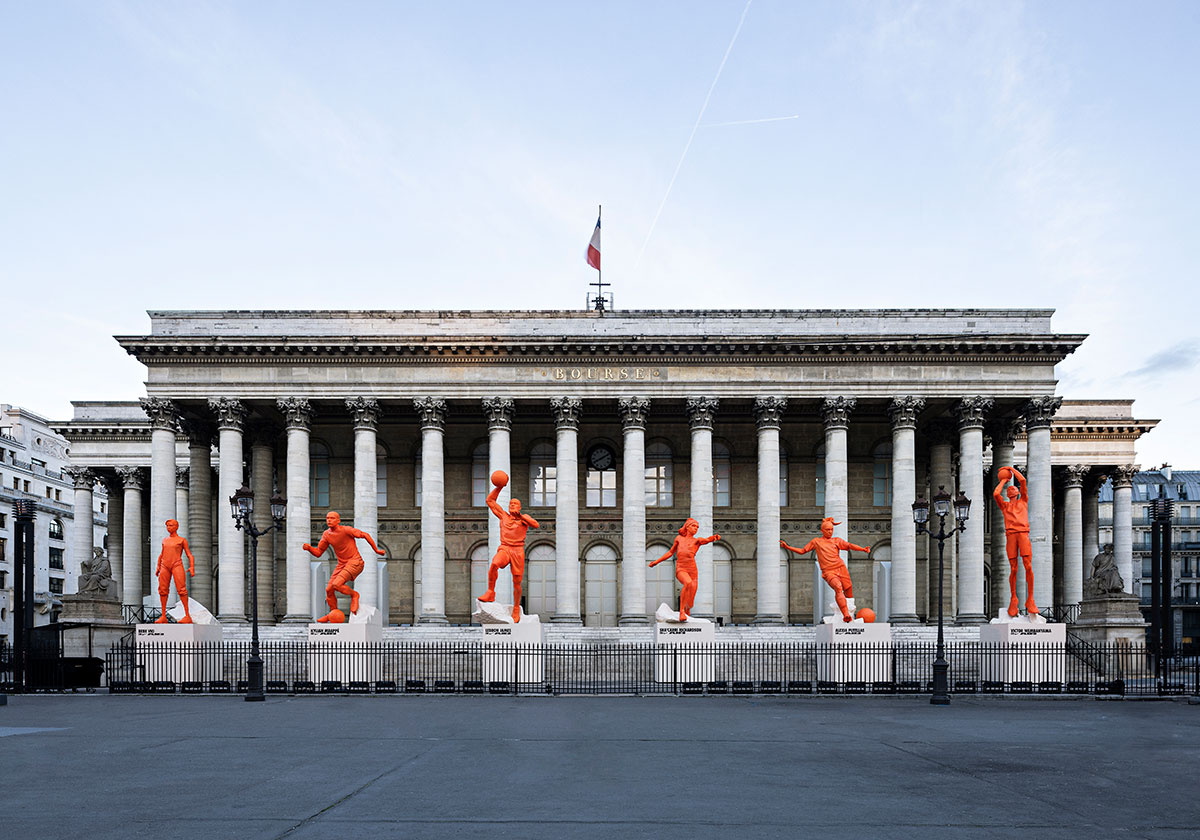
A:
(821, 476)
(722, 582)
(480, 486)
(417, 477)
(659, 478)
(882, 483)
(601, 476)
(480, 560)
(600, 587)
(539, 583)
(783, 478)
(318, 475)
(542, 475)
(380, 476)
(56, 529)
(661, 587)
(722, 472)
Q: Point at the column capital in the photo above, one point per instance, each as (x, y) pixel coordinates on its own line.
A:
(432, 411)
(231, 414)
(366, 412)
(567, 411)
(1075, 474)
(1002, 431)
(903, 411)
(199, 432)
(83, 477)
(182, 475)
(1039, 411)
(499, 412)
(634, 411)
(768, 411)
(161, 411)
(836, 411)
(1123, 475)
(701, 411)
(298, 412)
(133, 478)
(970, 411)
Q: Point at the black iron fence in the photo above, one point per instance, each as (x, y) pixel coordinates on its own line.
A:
(744, 668)
(142, 615)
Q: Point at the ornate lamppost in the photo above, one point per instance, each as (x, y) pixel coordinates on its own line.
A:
(962, 512)
(241, 505)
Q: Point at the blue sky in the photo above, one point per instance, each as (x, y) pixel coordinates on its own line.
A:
(412, 155)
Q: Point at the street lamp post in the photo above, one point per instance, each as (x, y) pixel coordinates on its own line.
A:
(241, 505)
(962, 512)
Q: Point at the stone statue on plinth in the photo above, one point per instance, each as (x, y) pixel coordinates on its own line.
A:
(1105, 578)
(97, 579)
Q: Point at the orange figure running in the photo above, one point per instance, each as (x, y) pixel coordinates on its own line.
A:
(513, 527)
(170, 564)
(832, 568)
(349, 563)
(684, 548)
(1016, 535)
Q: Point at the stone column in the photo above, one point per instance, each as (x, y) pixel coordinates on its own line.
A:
(567, 411)
(903, 412)
(1091, 520)
(83, 525)
(432, 411)
(231, 543)
(836, 413)
(298, 414)
(970, 412)
(1123, 521)
(131, 559)
(182, 502)
(366, 413)
(701, 411)
(1073, 559)
(1001, 433)
(1038, 413)
(768, 416)
(941, 475)
(200, 509)
(162, 416)
(116, 529)
(633, 555)
(499, 412)
(262, 483)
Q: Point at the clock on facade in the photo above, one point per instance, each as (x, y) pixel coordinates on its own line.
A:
(601, 457)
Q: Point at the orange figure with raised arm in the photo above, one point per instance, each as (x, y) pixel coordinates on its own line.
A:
(349, 563)
(513, 527)
(833, 569)
(170, 565)
(684, 548)
(1016, 535)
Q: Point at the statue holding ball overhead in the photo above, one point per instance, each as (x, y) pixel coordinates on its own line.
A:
(513, 526)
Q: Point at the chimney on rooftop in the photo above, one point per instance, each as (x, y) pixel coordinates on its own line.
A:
(1165, 469)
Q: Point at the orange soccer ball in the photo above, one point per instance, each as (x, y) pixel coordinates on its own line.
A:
(499, 478)
(867, 614)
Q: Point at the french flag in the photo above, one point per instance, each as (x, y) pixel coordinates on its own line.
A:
(593, 251)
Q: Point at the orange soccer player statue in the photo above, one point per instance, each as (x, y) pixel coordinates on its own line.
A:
(684, 548)
(170, 565)
(513, 527)
(1016, 535)
(833, 569)
(349, 563)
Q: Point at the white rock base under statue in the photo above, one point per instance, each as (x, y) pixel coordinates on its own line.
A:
(176, 652)
(1023, 649)
(512, 650)
(684, 650)
(854, 651)
(347, 652)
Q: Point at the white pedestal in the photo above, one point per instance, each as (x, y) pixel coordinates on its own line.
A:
(512, 652)
(684, 651)
(346, 652)
(854, 651)
(178, 652)
(1020, 650)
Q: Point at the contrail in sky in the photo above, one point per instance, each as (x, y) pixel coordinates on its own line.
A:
(751, 122)
(692, 136)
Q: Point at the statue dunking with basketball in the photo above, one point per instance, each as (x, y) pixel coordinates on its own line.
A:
(513, 527)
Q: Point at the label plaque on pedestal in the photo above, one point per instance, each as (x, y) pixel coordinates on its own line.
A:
(1021, 650)
(512, 652)
(346, 652)
(684, 650)
(176, 652)
(854, 651)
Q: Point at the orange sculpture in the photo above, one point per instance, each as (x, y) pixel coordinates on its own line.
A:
(684, 548)
(866, 614)
(833, 570)
(349, 563)
(170, 565)
(1016, 535)
(513, 527)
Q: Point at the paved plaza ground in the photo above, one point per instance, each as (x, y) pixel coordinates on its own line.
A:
(131, 767)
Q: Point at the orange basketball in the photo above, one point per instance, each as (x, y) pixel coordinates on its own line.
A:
(499, 478)
(1004, 474)
(867, 614)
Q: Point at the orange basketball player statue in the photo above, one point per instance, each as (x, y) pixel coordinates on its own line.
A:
(170, 565)
(684, 548)
(513, 527)
(832, 568)
(349, 563)
(1016, 535)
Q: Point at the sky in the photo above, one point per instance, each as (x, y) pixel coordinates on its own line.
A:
(774, 154)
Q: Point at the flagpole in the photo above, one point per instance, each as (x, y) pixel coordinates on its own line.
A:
(599, 271)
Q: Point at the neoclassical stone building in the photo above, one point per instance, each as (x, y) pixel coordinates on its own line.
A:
(615, 427)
